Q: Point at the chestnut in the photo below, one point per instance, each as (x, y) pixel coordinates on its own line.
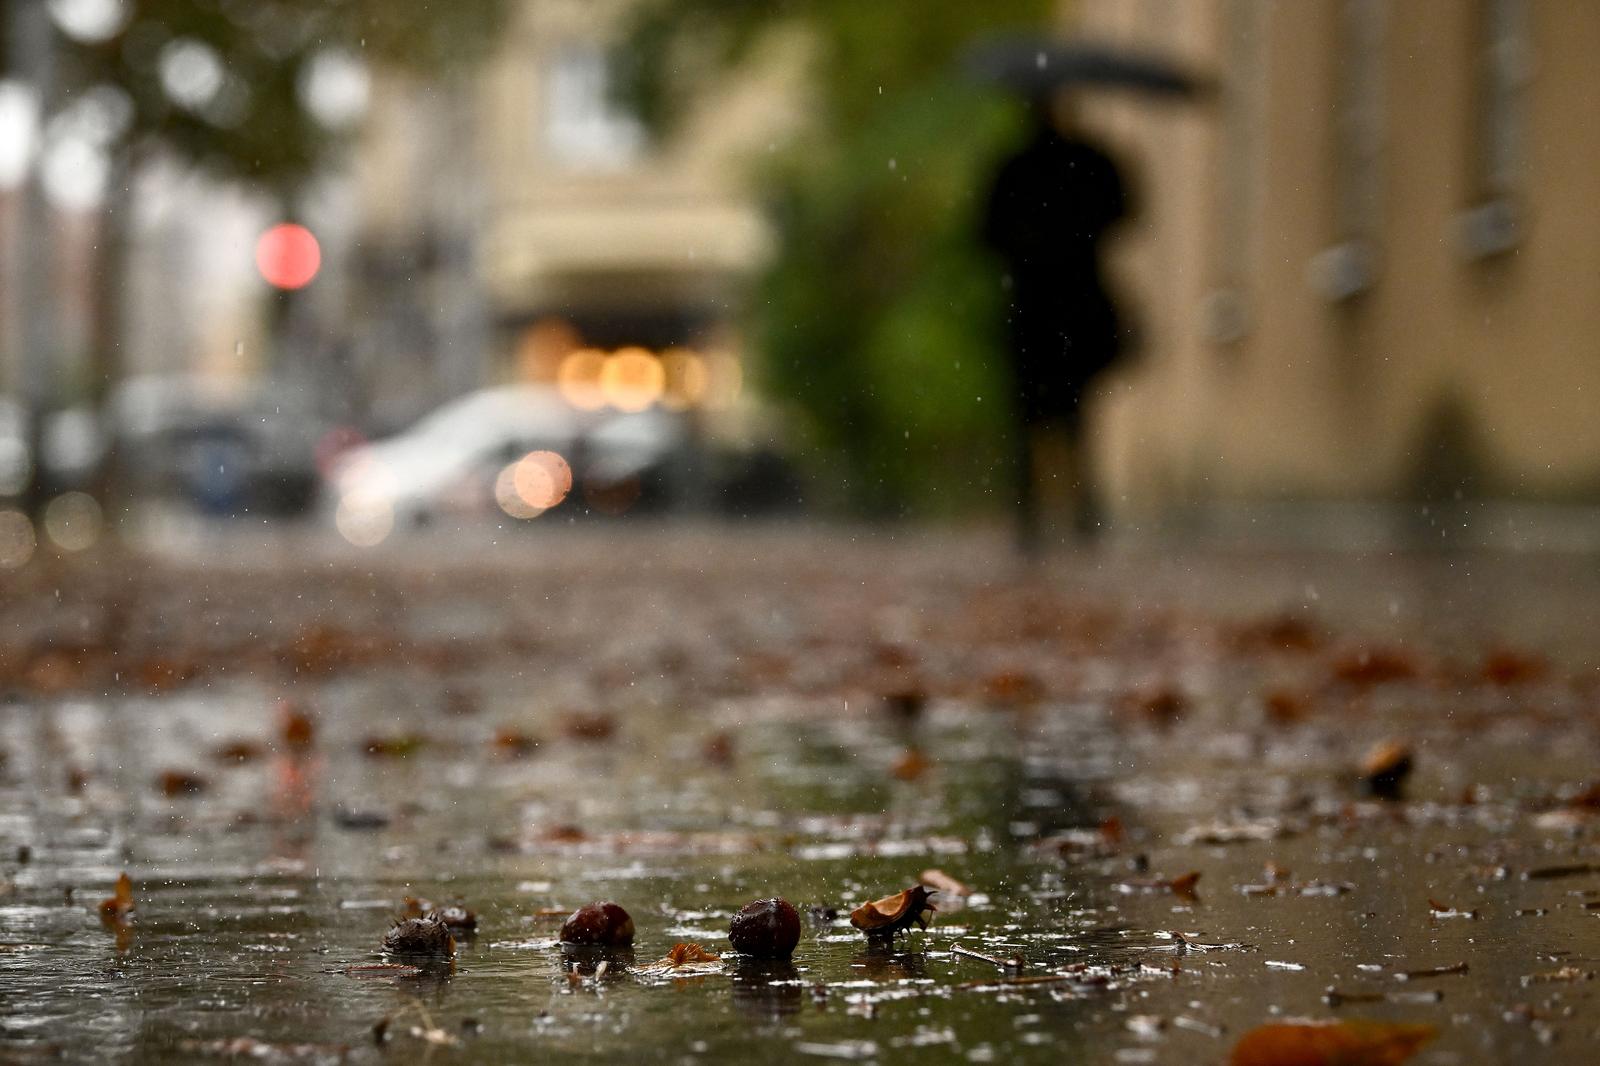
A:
(427, 935)
(766, 929)
(600, 924)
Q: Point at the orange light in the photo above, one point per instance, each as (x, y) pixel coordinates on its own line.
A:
(542, 479)
(578, 378)
(632, 379)
(288, 256)
(686, 378)
(505, 494)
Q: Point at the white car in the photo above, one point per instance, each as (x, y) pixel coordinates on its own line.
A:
(449, 462)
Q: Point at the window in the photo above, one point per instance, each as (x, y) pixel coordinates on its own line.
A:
(1225, 312)
(583, 127)
(1347, 268)
(1493, 223)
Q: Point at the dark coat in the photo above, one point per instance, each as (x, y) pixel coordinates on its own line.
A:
(1050, 207)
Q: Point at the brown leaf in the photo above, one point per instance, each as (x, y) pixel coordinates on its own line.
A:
(511, 743)
(717, 749)
(238, 751)
(893, 914)
(1344, 1043)
(1506, 666)
(594, 727)
(1012, 687)
(1385, 768)
(296, 727)
(684, 954)
(173, 783)
(1183, 886)
(911, 765)
(1375, 666)
(116, 908)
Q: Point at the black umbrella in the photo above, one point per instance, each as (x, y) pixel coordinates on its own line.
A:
(1037, 66)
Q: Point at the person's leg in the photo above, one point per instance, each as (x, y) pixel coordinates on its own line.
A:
(1087, 519)
(1026, 488)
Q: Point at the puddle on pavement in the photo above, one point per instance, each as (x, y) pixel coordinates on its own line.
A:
(257, 896)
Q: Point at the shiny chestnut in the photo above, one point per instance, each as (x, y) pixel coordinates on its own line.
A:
(601, 924)
(766, 929)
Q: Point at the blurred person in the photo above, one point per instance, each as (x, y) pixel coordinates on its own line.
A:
(1049, 209)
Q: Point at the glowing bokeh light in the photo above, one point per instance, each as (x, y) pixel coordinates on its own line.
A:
(90, 21)
(542, 479)
(578, 378)
(632, 379)
(506, 495)
(17, 539)
(686, 378)
(365, 521)
(288, 256)
(74, 521)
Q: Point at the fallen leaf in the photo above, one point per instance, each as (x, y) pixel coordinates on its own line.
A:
(1343, 1043)
(295, 726)
(1444, 910)
(512, 743)
(893, 914)
(1509, 667)
(1385, 768)
(1375, 666)
(174, 783)
(911, 765)
(685, 954)
(940, 881)
(717, 749)
(116, 908)
(1182, 886)
(1012, 687)
(592, 727)
(238, 751)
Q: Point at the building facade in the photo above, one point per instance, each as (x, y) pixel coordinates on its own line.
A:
(1366, 263)
(556, 222)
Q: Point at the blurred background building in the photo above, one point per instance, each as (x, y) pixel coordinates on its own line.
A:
(1364, 271)
(1360, 265)
(523, 213)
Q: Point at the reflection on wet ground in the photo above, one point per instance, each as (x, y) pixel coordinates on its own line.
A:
(685, 728)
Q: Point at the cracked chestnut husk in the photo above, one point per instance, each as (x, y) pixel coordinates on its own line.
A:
(602, 924)
(884, 918)
(765, 929)
(426, 936)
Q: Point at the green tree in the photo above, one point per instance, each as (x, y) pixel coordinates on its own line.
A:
(875, 320)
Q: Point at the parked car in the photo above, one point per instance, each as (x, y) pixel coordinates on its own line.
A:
(251, 448)
(451, 461)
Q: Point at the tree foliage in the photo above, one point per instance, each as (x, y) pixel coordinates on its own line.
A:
(875, 320)
(256, 126)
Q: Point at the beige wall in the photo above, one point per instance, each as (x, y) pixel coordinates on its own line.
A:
(672, 223)
(1325, 398)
